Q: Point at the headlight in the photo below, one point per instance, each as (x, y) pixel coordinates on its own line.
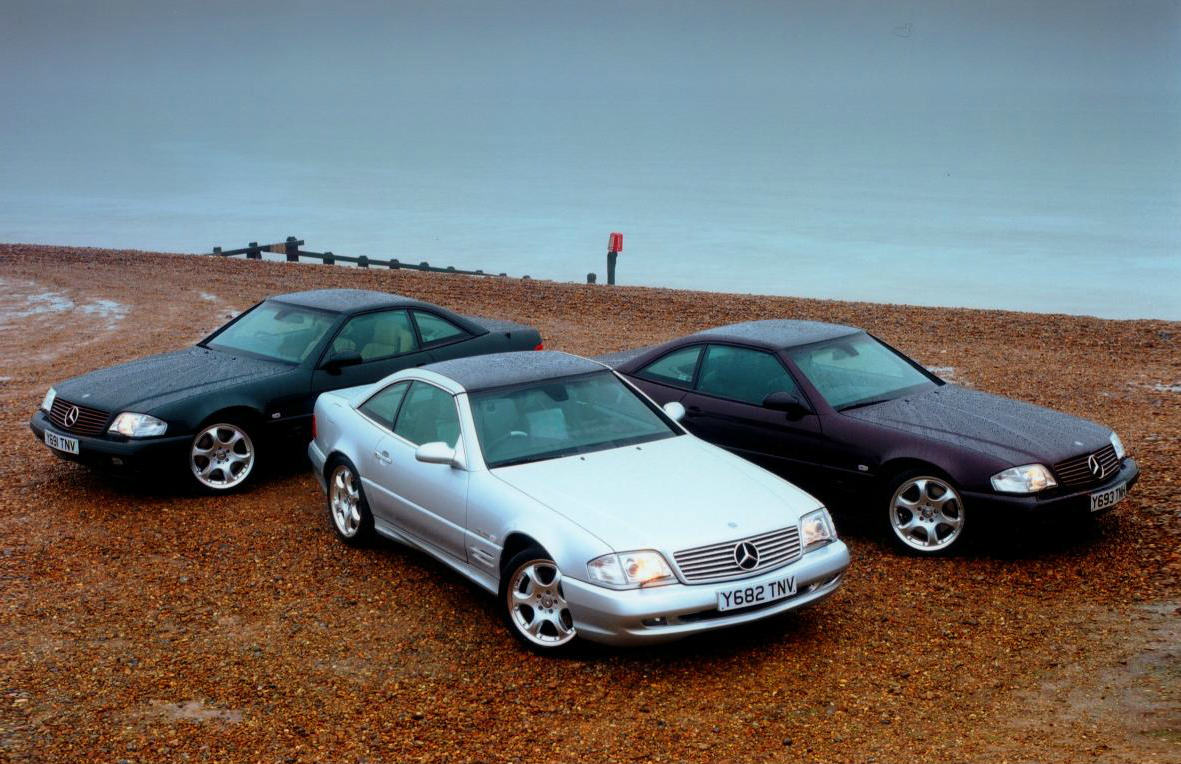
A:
(137, 425)
(1116, 443)
(1029, 478)
(629, 570)
(47, 401)
(816, 530)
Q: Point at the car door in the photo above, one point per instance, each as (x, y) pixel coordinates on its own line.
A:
(669, 377)
(378, 414)
(726, 408)
(428, 501)
(386, 342)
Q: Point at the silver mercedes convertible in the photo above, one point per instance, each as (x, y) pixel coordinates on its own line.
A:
(548, 479)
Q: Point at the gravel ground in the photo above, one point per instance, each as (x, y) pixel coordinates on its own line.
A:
(142, 624)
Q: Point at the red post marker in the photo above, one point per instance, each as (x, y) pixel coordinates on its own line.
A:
(614, 247)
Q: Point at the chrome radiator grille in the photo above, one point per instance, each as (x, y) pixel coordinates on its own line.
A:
(718, 562)
(89, 421)
(1076, 471)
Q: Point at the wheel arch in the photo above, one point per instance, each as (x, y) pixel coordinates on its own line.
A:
(243, 413)
(515, 543)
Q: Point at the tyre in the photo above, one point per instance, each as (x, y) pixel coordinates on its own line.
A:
(347, 508)
(534, 603)
(223, 456)
(925, 512)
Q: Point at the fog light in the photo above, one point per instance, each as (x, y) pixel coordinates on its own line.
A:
(658, 621)
(116, 461)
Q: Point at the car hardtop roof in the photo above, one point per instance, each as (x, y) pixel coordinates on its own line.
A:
(778, 333)
(349, 300)
(482, 372)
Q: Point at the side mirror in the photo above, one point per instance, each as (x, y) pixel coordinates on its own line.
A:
(337, 362)
(788, 403)
(674, 410)
(436, 453)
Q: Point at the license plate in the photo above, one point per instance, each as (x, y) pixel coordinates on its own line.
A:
(61, 442)
(745, 596)
(1109, 498)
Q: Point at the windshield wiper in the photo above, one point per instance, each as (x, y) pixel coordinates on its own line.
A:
(863, 404)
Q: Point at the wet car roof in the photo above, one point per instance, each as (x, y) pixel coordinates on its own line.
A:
(502, 369)
(346, 300)
(778, 333)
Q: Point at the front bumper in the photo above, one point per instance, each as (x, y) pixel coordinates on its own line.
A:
(618, 617)
(125, 454)
(1074, 502)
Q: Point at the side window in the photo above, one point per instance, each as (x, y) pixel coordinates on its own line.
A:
(428, 415)
(376, 335)
(742, 374)
(676, 368)
(433, 329)
(383, 406)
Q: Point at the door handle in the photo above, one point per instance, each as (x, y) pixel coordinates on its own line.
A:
(383, 457)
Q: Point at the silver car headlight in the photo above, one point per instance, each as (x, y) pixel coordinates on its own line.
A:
(631, 570)
(1116, 443)
(816, 530)
(1028, 478)
(47, 401)
(135, 425)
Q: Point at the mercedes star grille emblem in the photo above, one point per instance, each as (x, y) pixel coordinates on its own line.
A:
(1095, 467)
(72, 416)
(746, 555)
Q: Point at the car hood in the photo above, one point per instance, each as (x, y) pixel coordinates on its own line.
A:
(1014, 432)
(669, 495)
(146, 383)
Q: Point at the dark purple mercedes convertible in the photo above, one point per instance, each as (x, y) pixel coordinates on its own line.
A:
(837, 410)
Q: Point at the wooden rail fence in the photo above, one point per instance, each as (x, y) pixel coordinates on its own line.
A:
(291, 248)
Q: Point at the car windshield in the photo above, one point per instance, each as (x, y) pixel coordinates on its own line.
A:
(277, 331)
(560, 417)
(856, 371)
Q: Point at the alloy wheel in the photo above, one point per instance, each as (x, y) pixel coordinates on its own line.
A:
(222, 456)
(537, 605)
(345, 499)
(927, 513)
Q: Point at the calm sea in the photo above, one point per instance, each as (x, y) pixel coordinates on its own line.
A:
(1071, 204)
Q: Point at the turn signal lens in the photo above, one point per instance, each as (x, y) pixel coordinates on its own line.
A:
(47, 401)
(1116, 443)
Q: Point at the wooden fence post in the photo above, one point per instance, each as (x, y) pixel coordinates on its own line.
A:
(394, 264)
(329, 258)
(255, 253)
(217, 250)
(291, 248)
(362, 262)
